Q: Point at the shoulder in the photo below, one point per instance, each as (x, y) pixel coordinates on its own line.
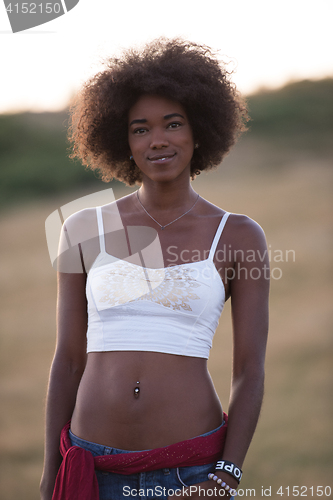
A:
(244, 231)
(238, 224)
(244, 240)
(81, 217)
(86, 218)
(247, 243)
(80, 226)
(240, 230)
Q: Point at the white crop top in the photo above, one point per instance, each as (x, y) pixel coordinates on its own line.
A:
(172, 310)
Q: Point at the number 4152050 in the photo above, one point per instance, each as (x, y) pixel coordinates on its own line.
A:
(304, 491)
(34, 8)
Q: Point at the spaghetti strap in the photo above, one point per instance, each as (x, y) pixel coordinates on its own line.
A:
(100, 228)
(218, 235)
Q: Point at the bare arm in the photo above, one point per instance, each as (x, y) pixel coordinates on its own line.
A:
(249, 299)
(66, 371)
(249, 289)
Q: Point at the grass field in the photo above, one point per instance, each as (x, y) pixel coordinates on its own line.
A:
(293, 442)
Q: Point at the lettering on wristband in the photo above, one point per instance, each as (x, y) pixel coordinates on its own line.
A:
(230, 468)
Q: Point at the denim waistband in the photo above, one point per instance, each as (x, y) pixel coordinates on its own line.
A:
(100, 449)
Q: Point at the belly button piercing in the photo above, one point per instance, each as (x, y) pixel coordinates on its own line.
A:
(137, 390)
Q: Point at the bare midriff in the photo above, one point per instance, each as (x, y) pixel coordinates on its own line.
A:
(176, 400)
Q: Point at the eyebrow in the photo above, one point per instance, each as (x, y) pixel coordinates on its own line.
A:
(166, 117)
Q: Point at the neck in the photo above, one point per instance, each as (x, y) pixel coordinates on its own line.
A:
(162, 196)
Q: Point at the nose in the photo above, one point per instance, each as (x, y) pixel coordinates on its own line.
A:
(158, 140)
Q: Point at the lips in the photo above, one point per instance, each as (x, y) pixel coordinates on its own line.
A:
(161, 158)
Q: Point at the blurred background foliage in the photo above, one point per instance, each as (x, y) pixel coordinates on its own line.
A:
(299, 114)
(34, 150)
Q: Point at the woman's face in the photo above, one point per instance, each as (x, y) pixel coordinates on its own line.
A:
(160, 138)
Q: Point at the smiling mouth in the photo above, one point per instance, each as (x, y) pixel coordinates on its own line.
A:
(165, 156)
(161, 158)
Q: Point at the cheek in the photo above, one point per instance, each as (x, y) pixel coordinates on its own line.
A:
(190, 146)
(188, 140)
(133, 145)
(137, 143)
(130, 141)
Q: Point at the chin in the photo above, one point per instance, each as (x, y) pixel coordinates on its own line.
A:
(167, 175)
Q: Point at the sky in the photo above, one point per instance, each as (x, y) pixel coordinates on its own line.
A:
(266, 42)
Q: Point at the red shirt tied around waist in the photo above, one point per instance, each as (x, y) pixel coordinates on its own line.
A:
(76, 479)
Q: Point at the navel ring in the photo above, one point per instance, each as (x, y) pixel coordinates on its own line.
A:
(137, 390)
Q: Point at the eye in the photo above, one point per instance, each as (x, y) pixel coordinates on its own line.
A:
(174, 125)
(139, 131)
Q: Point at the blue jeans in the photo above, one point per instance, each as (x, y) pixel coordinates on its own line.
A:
(154, 485)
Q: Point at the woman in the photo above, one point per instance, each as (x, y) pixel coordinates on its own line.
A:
(153, 273)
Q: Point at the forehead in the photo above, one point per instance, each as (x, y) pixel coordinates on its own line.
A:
(154, 107)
